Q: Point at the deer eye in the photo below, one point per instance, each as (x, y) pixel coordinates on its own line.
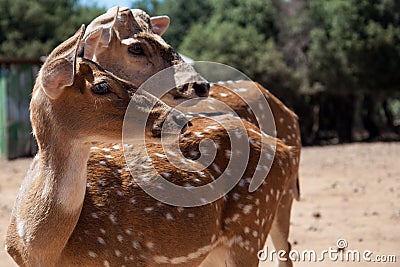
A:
(101, 88)
(136, 49)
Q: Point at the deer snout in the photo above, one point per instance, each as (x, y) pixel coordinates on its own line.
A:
(201, 89)
(192, 89)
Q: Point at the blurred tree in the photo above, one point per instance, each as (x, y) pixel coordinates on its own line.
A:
(259, 14)
(183, 14)
(238, 36)
(355, 44)
(31, 29)
(355, 50)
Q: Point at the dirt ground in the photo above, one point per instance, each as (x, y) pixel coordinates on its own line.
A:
(349, 192)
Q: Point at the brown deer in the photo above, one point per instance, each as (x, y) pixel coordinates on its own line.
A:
(130, 24)
(80, 206)
(287, 130)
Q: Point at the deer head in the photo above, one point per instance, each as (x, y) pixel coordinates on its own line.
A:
(76, 96)
(128, 43)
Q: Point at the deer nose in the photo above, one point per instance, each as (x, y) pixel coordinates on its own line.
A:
(201, 89)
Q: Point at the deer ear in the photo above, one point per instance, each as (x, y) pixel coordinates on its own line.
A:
(58, 71)
(159, 24)
(91, 42)
(100, 38)
(100, 32)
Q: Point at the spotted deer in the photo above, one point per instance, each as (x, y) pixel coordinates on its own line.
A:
(130, 24)
(79, 204)
(287, 130)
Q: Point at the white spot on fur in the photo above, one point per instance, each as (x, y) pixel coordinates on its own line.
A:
(150, 245)
(149, 209)
(160, 155)
(247, 209)
(92, 254)
(135, 244)
(179, 260)
(112, 218)
(180, 209)
(199, 134)
(169, 216)
(161, 259)
(101, 240)
(235, 217)
(212, 127)
(182, 259)
(216, 168)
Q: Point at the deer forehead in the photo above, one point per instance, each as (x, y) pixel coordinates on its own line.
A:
(126, 22)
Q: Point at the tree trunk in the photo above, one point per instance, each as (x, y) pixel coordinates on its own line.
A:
(370, 124)
(389, 115)
(344, 117)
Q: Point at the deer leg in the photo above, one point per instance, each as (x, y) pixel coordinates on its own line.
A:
(231, 256)
(280, 228)
(242, 256)
(219, 256)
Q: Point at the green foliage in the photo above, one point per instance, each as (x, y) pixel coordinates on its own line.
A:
(255, 13)
(243, 48)
(244, 39)
(30, 29)
(317, 55)
(338, 45)
(354, 45)
(183, 14)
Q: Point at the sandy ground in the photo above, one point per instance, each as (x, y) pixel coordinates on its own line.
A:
(348, 191)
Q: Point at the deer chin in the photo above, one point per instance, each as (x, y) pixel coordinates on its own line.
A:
(170, 124)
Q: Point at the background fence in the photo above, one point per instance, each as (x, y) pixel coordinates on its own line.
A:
(17, 78)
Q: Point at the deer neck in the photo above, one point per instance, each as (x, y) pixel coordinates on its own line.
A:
(51, 197)
(63, 171)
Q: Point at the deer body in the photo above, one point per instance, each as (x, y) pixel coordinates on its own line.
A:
(287, 125)
(79, 205)
(287, 130)
(52, 200)
(120, 224)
